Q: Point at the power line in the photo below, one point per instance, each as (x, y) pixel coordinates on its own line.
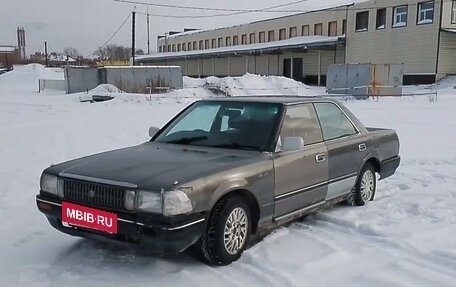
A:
(267, 9)
(113, 35)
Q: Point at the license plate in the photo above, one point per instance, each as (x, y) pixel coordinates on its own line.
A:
(77, 215)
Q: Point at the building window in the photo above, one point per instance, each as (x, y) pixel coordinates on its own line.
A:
(235, 40)
(305, 30)
(174, 48)
(262, 37)
(332, 29)
(252, 38)
(381, 19)
(344, 27)
(160, 49)
(228, 41)
(179, 47)
(400, 16)
(453, 14)
(206, 44)
(200, 44)
(189, 46)
(362, 21)
(318, 29)
(184, 47)
(194, 46)
(425, 13)
(244, 39)
(271, 36)
(282, 34)
(220, 42)
(169, 48)
(293, 32)
(214, 43)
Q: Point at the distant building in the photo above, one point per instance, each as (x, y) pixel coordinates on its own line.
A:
(418, 33)
(8, 56)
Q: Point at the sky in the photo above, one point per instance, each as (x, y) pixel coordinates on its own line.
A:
(87, 24)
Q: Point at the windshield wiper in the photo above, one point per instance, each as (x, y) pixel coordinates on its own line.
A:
(235, 145)
(186, 141)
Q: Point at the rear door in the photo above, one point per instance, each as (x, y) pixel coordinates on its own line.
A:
(346, 148)
(301, 176)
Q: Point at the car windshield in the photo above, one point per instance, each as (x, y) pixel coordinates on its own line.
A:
(232, 125)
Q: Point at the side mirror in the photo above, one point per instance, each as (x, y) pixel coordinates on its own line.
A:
(153, 131)
(292, 143)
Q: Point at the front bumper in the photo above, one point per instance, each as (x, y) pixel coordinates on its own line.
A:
(160, 238)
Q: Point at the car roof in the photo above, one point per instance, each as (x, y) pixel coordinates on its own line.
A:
(285, 100)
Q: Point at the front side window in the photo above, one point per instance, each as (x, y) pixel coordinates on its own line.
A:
(381, 19)
(400, 16)
(362, 21)
(426, 12)
(334, 123)
(302, 121)
(233, 125)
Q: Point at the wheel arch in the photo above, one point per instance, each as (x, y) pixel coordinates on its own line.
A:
(251, 201)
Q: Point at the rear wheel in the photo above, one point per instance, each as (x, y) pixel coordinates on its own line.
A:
(228, 231)
(366, 185)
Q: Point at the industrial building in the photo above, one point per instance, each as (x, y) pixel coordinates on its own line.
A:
(421, 35)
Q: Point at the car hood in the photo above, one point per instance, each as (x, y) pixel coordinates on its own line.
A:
(154, 165)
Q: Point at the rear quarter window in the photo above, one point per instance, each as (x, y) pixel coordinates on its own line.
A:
(334, 123)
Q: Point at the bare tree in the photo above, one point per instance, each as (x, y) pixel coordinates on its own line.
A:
(71, 52)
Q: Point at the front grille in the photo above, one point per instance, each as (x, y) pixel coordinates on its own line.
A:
(94, 194)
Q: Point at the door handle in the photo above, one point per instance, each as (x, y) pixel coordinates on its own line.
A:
(362, 147)
(320, 157)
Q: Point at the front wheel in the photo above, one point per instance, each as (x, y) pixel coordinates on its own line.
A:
(228, 231)
(366, 185)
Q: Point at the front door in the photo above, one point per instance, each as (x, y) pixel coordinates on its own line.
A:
(301, 176)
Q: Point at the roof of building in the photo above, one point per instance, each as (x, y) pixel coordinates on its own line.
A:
(302, 42)
(7, 49)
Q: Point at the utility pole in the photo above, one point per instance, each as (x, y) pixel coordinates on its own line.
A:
(46, 53)
(133, 32)
(148, 31)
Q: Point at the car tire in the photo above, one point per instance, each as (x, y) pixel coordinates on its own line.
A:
(365, 187)
(227, 233)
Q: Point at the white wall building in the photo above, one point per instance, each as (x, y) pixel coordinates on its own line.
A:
(419, 34)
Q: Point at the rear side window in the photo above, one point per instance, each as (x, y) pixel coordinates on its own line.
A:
(302, 121)
(333, 121)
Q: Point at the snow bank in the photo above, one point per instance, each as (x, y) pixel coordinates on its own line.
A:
(251, 85)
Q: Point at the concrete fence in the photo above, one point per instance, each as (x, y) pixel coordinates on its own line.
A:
(56, 85)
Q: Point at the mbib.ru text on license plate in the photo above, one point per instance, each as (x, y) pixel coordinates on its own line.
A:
(87, 217)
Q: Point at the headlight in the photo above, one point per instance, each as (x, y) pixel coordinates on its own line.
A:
(149, 201)
(49, 183)
(166, 202)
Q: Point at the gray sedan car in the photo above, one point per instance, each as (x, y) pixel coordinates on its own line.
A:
(219, 172)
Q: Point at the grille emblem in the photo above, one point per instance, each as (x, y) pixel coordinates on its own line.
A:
(91, 193)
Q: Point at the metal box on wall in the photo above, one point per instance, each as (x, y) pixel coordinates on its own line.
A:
(365, 79)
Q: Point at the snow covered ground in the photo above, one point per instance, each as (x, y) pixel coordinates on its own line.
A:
(404, 238)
